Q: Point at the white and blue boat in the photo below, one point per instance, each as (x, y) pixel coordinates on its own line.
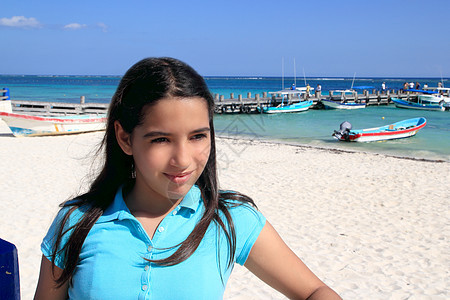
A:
(342, 105)
(436, 96)
(291, 102)
(418, 103)
(339, 98)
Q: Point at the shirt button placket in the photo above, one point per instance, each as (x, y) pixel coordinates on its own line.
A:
(144, 284)
(145, 278)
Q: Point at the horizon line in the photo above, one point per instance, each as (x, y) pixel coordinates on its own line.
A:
(236, 76)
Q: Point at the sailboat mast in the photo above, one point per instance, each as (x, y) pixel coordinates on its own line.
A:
(353, 80)
(304, 76)
(282, 73)
(295, 74)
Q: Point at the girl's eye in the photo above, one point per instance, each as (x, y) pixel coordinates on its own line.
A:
(159, 140)
(199, 136)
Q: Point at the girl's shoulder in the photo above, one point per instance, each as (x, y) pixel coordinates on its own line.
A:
(68, 216)
(242, 209)
(72, 211)
(246, 219)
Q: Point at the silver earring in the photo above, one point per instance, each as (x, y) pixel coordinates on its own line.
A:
(133, 171)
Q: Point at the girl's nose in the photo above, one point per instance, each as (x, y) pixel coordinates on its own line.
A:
(181, 156)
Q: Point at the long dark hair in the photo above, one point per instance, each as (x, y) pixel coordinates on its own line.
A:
(145, 83)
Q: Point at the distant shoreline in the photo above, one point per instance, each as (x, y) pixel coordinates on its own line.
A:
(324, 77)
(329, 149)
(5, 132)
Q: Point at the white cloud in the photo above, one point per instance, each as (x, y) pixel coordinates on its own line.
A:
(103, 26)
(75, 26)
(20, 22)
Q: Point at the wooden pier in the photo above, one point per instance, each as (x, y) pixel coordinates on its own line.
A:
(39, 108)
(232, 104)
(250, 104)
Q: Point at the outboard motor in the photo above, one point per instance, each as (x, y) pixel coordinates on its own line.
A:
(343, 133)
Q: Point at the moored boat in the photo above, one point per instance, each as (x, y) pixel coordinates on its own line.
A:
(342, 105)
(291, 102)
(345, 99)
(26, 125)
(437, 96)
(418, 103)
(398, 130)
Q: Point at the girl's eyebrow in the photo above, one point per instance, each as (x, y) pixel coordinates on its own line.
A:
(162, 133)
(200, 130)
(155, 133)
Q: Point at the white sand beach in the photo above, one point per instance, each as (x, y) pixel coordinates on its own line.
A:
(370, 226)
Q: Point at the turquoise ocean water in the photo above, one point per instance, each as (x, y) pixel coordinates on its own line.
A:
(313, 127)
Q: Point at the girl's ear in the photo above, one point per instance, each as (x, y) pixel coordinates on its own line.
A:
(123, 138)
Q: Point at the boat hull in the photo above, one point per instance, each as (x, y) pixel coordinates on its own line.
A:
(25, 125)
(381, 137)
(293, 108)
(341, 105)
(399, 130)
(412, 105)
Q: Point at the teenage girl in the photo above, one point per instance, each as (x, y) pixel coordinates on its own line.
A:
(154, 224)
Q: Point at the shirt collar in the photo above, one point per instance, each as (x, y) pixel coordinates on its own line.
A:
(118, 210)
(191, 199)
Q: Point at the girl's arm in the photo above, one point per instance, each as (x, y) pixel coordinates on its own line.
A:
(273, 262)
(46, 288)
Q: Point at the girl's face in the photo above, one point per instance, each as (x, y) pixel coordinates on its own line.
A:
(170, 149)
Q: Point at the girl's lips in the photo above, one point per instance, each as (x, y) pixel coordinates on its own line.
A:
(179, 178)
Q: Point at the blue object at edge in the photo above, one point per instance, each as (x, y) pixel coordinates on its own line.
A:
(9, 271)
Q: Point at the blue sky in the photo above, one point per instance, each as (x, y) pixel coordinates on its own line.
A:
(228, 38)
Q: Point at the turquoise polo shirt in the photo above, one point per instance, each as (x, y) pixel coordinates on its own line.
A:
(112, 261)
